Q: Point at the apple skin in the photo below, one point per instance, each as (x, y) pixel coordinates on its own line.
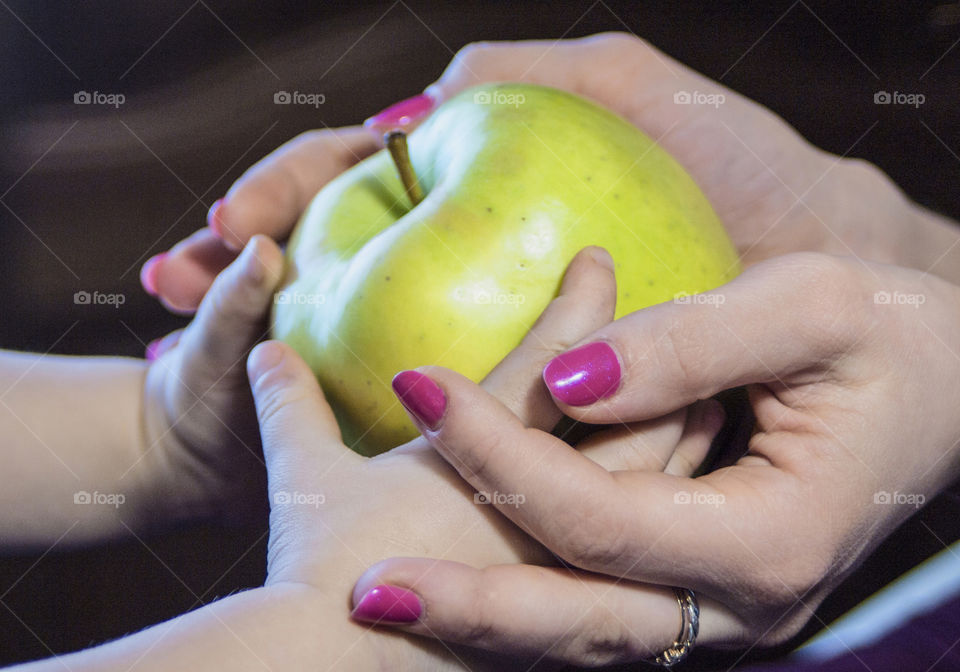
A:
(518, 179)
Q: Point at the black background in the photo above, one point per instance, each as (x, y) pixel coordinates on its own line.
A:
(199, 79)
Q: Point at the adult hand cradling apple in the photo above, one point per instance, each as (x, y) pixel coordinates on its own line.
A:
(334, 512)
(853, 371)
(774, 192)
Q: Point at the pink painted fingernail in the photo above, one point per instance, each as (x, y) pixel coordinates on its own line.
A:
(214, 221)
(421, 396)
(153, 350)
(148, 274)
(158, 348)
(583, 375)
(401, 115)
(388, 604)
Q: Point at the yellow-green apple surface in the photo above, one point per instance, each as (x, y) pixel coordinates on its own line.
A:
(517, 178)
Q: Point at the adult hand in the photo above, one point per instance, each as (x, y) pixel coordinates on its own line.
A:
(774, 191)
(333, 512)
(853, 372)
(267, 199)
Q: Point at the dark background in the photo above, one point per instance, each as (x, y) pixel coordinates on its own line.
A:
(87, 193)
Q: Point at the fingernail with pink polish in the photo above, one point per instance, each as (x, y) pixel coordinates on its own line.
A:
(421, 396)
(388, 604)
(214, 221)
(153, 350)
(401, 115)
(148, 274)
(584, 375)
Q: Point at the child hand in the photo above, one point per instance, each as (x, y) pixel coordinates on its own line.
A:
(199, 419)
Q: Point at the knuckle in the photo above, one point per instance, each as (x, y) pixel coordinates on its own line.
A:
(606, 640)
(617, 40)
(477, 627)
(590, 541)
(272, 397)
(869, 180)
(827, 275)
(472, 58)
(804, 573)
(789, 627)
(612, 47)
(679, 351)
(472, 460)
(312, 138)
(788, 578)
(683, 463)
(830, 287)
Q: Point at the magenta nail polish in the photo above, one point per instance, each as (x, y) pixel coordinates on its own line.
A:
(148, 274)
(214, 220)
(153, 350)
(421, 396)
(388, 604)
(583, 375)
(401, 115)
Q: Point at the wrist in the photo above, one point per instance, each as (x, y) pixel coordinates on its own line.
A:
(327, 636)
(174, 486)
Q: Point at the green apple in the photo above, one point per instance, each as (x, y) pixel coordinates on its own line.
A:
(517, 178)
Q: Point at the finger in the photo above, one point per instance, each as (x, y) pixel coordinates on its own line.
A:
(591, 518)
(233, 316)
(525, 611)
(270, 197)
(645, 446)
(676, 444)
(300, 435)
(157, 348)
(658, 359)
(181, 277)
(403, 116)
(704, 422)
(586, 301)
(504, 62)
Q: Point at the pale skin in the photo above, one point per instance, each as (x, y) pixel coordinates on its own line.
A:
(268, 200)
(861, 407)
(318, 546)
(172, 441)
(776, 194)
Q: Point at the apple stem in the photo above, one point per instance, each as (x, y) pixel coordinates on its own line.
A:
(396, 142)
